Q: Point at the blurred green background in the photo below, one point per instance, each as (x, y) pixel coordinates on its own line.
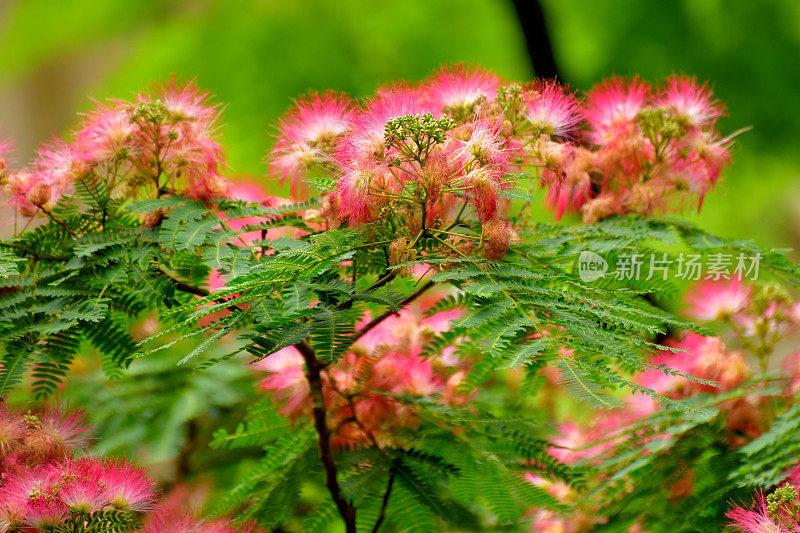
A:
(255, 55)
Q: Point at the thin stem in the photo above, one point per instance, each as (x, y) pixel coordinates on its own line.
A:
(313, 375)
(184, 287)
(377, 320)
(385, 503)
(57, 221)
(446, 232)
(197, 291)
(30, 251)
(458, 217)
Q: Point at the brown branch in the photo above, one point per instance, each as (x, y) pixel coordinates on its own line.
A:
(383, 280)
(30, 251)
(57, 221)
(377, 320)
(313, 375)
(197, 291)
(185, 287)
(319, 411)
(385, 503)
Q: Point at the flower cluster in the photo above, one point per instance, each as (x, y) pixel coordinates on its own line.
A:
(165, 142)
(46, 485)
(776, 512)
(757, 317)
(431, 155)
(421, 157)
(387, 359)
(647, 147)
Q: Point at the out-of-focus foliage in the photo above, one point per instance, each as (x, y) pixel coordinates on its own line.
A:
(256, 55)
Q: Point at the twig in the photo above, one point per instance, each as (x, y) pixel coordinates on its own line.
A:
(30, 251)
(197, 291)
(377, 320)
(313, 376)
(385, 503)
(59, 222)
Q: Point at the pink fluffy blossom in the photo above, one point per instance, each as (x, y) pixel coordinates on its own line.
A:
(388, 358)
(612, 107)
(691, 101)
(55, 432)
(485, 146)
(83, 485)
(717, 300)
(5, 147)
(366, 138)
(569, 179)
(106, 135)
(309, 133)
(162, 142)
(754, 518)
(703, 357)
(358, 179)
(484, 190)
(42, 184)
(459, 88)
(127, 486)
(286, 379)
(552, 110)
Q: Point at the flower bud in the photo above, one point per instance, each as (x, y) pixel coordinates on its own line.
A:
(217, 185)
(330, 211)
(599, 208)
(39, 195)
(152, 219)
(458, 246)
(401, 251)
(497, 235)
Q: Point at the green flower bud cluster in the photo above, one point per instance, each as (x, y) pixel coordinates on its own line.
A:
(659, 122)
(154, 112)
(417, 128)
(782, 502)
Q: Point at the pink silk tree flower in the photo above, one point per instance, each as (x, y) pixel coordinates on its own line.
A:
(309, 133)
(717, 300)
(692, 103)
(612, 107)
(458, 89)
(552, 110)
(127, 486)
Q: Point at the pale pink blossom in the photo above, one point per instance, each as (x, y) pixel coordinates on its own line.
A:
(286, 379)
(485, 146)
(386, 359)
(458, 88)
(55, 432)
(717, 300)
(692, 102)
(612, 107)
(308, 134)
(552, 110)
(358, 180)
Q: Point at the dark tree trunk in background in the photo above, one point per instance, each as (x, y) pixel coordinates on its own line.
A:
(534, 27)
